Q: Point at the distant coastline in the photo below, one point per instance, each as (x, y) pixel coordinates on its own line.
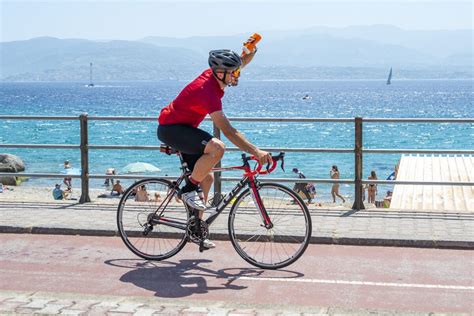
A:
(358, 52)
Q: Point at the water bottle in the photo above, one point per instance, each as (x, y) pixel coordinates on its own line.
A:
(249, 45)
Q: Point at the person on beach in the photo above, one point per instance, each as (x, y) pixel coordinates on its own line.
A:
(387, 199)
(334, 173)
(303, 188)
(179, 122)
(117, 188)
(67, 180)
(58, 194)
(109, 181)
(157, 197)
(372, 188)
(142, 194)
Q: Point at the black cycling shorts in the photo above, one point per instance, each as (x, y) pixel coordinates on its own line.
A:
(190, 141)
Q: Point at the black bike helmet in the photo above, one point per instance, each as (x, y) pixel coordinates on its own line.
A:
(224, 59)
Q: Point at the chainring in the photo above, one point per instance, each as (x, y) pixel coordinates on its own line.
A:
(193, 233)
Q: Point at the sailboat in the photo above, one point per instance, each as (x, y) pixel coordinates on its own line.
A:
(389, 76)
(90, 82)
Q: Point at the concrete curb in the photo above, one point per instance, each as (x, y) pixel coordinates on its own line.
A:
(440, 244)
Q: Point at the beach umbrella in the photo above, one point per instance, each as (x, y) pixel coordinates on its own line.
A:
(140, 167)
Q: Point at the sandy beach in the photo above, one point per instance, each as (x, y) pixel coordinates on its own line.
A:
(43, 194)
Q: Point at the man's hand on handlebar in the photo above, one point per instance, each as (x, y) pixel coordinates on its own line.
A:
(263, 157)
(264, 160)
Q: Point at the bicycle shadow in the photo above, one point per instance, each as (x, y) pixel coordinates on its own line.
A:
(185, 277)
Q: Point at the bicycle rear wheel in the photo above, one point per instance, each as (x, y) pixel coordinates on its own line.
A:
(142, 230)
(276, 247)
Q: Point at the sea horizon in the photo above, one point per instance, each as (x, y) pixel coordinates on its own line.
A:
(380, 79)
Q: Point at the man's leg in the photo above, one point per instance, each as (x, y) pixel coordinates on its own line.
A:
(206, 184)
(202, 174)
(213, 153)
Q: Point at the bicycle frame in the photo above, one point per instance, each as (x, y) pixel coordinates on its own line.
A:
(249, 178)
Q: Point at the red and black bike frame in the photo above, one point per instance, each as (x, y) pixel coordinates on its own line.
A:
(249, 179)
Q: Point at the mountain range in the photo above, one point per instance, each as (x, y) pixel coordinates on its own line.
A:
(356, 52)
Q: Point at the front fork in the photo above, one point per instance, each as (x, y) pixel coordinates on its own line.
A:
(257, 200)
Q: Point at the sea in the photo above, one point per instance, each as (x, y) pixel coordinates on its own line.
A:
(275, 98)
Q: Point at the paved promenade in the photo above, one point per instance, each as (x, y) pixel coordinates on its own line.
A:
(89, 275)
(385, 227)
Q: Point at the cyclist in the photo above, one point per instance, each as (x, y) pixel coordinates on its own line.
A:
(179, 121)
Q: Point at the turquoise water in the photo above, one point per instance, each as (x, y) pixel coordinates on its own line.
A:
(334, 99)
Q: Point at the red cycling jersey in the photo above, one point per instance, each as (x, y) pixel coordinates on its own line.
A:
(200, 97)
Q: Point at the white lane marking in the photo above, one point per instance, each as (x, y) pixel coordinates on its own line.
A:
(415, 285)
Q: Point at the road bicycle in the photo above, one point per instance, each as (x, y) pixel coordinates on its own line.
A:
(269, 225)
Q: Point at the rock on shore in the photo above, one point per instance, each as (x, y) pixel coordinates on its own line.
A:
(12, 164)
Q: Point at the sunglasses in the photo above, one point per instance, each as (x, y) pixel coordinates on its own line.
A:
(236, 73)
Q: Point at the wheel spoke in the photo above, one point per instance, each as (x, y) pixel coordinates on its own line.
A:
(134, 213)
(280, 245)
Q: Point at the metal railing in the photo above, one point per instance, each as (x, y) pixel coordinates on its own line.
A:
(357, 150)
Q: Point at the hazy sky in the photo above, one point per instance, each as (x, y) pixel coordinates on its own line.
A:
(130, 20)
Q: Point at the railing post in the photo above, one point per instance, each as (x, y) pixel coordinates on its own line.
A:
(217, 175)
(358, 188)
(84, 159)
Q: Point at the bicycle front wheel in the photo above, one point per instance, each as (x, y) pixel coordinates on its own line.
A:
(150, 221)
(280, 245)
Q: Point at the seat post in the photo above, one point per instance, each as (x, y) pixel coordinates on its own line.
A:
(184, 165)
(164, 148)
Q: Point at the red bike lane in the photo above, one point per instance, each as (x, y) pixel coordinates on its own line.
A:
(382, 278)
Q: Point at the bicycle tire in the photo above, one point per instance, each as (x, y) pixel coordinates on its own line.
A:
(245, 220)
(132, 215)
